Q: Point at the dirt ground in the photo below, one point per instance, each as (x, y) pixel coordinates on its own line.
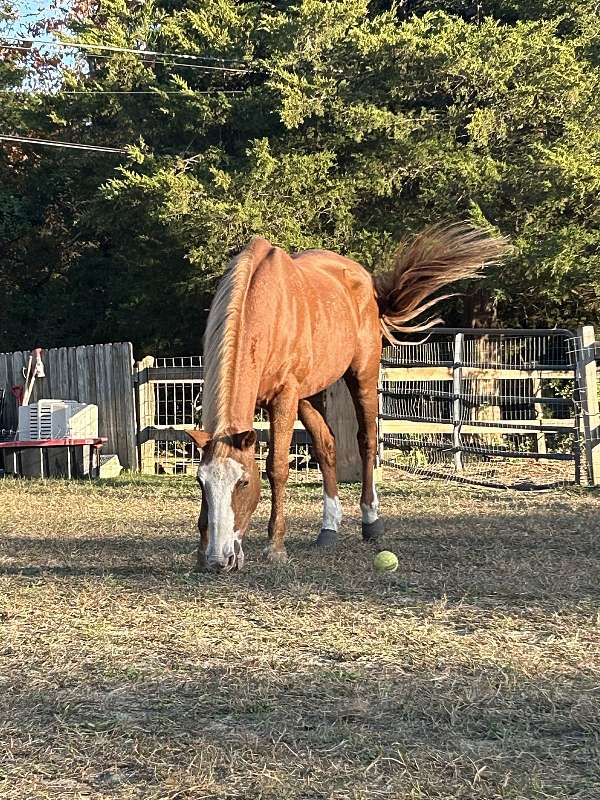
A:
(471, 672)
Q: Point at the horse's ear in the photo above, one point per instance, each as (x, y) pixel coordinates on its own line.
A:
(200, 438)
(245, 440)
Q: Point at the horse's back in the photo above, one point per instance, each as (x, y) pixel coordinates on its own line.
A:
(312, 308)
(336, 268)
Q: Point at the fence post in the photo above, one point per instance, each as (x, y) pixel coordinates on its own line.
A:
(586, 384)
(341, 418)
(127, 404)
(146, 409)
(538, 412)
(456, 399)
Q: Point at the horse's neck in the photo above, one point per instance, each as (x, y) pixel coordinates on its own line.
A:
(234, 368)
(236, 414)
(239, 416)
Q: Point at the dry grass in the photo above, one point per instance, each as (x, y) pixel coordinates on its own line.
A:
(472, 672)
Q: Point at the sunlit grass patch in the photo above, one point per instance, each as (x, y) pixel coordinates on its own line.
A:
(472, 672)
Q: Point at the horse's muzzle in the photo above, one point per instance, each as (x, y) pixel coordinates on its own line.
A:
(225, 564)
(228, 561)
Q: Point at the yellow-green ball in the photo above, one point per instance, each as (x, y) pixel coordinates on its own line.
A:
(385, 561)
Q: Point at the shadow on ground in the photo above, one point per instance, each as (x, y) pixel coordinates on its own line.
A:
(471, 673)
(515, 558)
(228, 732)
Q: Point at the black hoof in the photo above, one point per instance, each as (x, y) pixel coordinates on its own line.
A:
(372, 530)
(200, 565)
(326, 538)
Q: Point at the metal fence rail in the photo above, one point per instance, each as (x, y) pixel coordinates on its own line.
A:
(506, 407)
(498, 407)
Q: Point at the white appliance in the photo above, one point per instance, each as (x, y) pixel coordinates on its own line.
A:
(57, 419)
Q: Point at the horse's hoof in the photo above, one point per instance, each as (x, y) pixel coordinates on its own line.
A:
(371, 531)
(275, 556)
(326, 538)
(201, 565)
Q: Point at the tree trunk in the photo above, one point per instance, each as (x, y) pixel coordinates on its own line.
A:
(480, 309)
(481, 312)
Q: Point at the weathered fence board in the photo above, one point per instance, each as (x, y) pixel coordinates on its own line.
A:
(98, 374)
(109, 377)
(341, 418)
(125, 362)
(587, 386)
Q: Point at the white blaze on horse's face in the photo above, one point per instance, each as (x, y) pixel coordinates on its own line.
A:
(219, 477)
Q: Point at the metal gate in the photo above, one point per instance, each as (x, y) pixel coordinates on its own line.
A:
(492, 407)
(514, 408)
(169, 402)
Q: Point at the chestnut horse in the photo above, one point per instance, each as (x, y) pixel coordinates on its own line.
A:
(283, 328)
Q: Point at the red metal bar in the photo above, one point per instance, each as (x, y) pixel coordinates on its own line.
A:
(17, 445)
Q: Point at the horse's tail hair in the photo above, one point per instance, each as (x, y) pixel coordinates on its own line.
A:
(436, 257)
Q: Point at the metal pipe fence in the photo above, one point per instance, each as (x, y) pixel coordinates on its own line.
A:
(501, 407)
(496, 407)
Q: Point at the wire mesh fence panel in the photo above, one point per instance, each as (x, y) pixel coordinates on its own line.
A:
(170, 402)
(502, 409)
(501, 413)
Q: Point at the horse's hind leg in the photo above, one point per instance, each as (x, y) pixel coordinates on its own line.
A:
(363, 389)
(282, 413)
(311, 413)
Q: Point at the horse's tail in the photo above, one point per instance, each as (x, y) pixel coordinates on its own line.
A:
(438, 256)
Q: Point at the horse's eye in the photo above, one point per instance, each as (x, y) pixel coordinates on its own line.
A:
(244, 482)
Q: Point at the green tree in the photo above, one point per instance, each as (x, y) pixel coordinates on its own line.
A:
(349, 126)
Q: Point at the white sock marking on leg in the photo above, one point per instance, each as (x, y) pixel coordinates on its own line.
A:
(370, 513)
(332, 512)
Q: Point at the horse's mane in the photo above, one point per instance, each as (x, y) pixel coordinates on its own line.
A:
(221, 340)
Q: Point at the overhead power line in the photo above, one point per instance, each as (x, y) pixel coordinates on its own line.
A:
(72, 145)
(155, 60)
(121, 91)
(134, 51)
(205, 67)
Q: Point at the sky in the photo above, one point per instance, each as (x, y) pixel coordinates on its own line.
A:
(29, 11)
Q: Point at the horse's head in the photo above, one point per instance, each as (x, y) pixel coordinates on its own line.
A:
(230, 482)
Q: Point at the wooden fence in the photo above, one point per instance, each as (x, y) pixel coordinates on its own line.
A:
(101, 374)
(130, 397)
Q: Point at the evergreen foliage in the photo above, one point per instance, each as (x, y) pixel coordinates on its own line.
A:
(350, 125)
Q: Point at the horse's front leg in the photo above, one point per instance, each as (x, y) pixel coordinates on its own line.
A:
(282, 413)
(203, 530)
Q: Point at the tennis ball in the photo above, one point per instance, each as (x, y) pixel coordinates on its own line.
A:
(385, 561)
